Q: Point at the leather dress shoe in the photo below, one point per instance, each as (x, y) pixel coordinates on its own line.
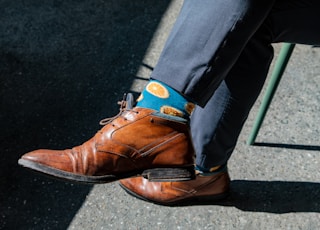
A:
(137, 141)
(204, 188)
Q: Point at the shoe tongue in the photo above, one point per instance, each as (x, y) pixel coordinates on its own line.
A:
(129, 101)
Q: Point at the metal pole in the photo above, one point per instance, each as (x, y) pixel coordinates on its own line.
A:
(280, 66)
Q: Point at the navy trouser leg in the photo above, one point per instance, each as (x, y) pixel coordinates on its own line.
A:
(205, 42)
(216, 127)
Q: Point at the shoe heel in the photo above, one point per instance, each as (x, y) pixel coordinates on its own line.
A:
(169, 174)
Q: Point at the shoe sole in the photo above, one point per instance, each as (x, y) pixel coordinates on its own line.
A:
(182, 202)
(155, 174)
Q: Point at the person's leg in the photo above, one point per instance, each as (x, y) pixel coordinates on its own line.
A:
(216, 127)
(196, 48)
(200, 51)
(205, 42)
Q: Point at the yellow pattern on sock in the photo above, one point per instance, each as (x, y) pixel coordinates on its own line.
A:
(157, 90)
(171, 111)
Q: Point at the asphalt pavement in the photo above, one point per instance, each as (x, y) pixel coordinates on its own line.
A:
(63, 67)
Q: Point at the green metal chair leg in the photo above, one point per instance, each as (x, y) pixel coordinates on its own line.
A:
(279, 68)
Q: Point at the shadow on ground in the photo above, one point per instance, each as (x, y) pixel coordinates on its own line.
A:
(270, 196)
(288, 146)
(274, 196)
(63, 67)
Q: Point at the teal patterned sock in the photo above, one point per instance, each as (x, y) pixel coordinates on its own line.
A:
(161, 97)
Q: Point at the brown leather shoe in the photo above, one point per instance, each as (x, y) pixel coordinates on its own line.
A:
(137, 141)
(203, 188)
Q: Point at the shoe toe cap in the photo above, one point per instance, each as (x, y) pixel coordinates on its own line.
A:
(51, 158)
